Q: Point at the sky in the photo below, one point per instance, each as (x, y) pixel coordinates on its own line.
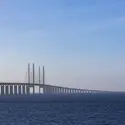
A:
(80, 43)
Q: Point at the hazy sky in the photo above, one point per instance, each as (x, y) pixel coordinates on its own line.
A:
(80, 42)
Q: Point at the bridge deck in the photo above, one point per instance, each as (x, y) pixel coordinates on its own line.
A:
(45, 85)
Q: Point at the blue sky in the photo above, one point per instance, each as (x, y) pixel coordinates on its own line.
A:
(81, 43)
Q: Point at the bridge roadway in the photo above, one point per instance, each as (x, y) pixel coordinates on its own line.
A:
(7, 88)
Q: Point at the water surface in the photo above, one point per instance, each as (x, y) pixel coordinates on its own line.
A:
(79, 113)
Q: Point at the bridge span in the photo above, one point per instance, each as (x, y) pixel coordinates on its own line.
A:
(14, 88)
(24, 88)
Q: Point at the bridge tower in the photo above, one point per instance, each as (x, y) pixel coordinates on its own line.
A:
(39, 72)
(43, 76)
(28, 72)
(44, 88)
(33, 78)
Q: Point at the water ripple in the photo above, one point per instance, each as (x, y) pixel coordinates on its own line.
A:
(62, 113)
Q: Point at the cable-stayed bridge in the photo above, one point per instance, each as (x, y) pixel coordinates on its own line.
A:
(14, 88)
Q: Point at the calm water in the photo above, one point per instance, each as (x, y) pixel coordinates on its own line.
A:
(91, 113)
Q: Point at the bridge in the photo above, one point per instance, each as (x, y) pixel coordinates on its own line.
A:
(13, 88)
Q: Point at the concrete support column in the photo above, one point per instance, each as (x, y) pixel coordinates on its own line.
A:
(79, 90)
(76, 90)
(65, 90)
(7, 90)
(69, 90)
(11, 90)
(19, 90)
(62, 90)
(15, 90)
(59, 90)
(2, 90)
(27, 90)
(49, 88)
(54, 91)
(46, 89)
(39, 89)
(43, 89)
(23, 89)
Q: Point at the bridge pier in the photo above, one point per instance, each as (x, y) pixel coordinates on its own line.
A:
(43, 89)
(61, 90)
(52, 90)
(2, 90)
(23, 87)
(7, 90)
(27, 90)
(11, 90)
(56, 90)
(19, 90)
(46, 89)
(66, 90)
(15, 90)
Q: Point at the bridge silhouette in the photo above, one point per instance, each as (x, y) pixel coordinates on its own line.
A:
(14, 88)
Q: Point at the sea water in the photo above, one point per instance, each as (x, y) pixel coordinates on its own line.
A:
(85, 112)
